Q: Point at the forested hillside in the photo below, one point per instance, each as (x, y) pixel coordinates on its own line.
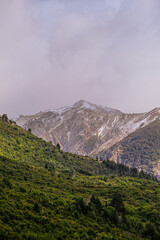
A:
(141, 148)
(49, 194)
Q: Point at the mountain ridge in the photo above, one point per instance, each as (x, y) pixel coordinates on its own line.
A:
(85, 128)
(110, 122)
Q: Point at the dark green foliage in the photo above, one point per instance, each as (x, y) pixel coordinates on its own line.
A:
(5, 118)
(36, 207)
(58, 146)
(29, 130)
(150, 230)
(7, 182)
(118, 204)
(96, 202)
(110, 215)
(12, 122)
(81, 206)
(123, 170)
(46, 166)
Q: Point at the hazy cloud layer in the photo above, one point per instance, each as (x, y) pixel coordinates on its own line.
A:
(55, 52)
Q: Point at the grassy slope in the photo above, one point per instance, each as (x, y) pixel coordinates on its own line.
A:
(40, 195)
(17, 143)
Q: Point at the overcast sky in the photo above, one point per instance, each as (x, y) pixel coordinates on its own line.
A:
(56, 52)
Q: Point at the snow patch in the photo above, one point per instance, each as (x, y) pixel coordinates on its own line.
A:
(100, 131)
(115, 120)
(87, 105)
(68, 135)
(58, 110)
(134, 124)
(110, 110)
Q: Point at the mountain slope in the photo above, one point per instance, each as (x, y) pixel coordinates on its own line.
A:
(35, 204)
(44, 195)
(22, 146)
(19, 144)
(85, 128)
(140, 149)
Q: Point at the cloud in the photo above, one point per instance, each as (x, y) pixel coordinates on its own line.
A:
(54, 53)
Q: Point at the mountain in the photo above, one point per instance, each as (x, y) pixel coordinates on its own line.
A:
(85, 128)
(22, 146)
(140, 149)
(50, 194)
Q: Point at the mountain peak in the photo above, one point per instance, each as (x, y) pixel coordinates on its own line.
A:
(91, 106)
(84, 104)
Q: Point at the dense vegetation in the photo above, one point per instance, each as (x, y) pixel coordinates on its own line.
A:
(123, 170)
(49, 194)
(19, 144)
(141, 148)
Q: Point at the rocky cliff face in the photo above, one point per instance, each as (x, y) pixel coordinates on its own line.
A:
(85, 128)
(140, 149)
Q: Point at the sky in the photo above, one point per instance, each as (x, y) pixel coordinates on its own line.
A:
(56, 52)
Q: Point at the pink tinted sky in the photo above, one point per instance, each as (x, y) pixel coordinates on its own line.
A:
(54, 53)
